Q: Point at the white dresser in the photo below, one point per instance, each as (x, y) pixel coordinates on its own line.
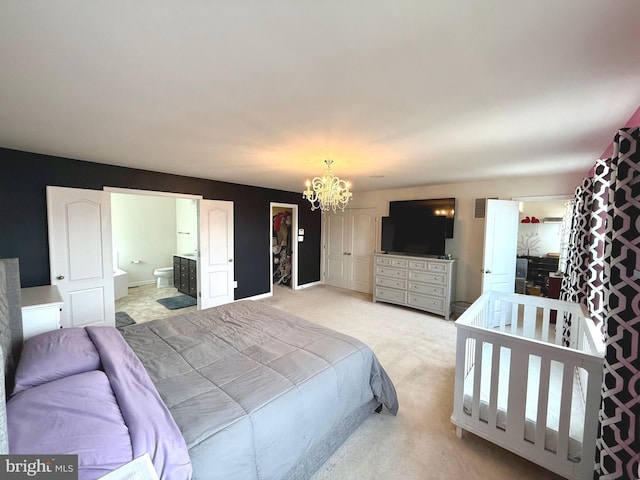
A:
(40, 310)
(424, 283)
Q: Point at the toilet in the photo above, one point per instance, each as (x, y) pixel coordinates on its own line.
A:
(165, 276)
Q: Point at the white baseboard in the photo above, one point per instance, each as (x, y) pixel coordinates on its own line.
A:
(258, 297)
(139, 284)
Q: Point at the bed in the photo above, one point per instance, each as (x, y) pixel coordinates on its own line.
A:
(518, 385)
(239, 391)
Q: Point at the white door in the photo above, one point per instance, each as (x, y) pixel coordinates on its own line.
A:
(215, 264)
(500, 246)
(350, 246)
(335, 272)
(360, 247)
(80, 255)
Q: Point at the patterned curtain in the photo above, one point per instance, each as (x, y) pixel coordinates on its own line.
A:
(618, 446)
(597, 233)
(583, 279)
(565, 234)
(574, 280)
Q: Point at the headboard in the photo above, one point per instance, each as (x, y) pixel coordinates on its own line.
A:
(10, 317)
(10, 335)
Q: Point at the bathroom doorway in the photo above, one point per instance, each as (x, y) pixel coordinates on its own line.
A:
(148, 230)
(283, 238)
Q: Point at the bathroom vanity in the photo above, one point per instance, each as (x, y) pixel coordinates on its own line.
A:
(185, 274)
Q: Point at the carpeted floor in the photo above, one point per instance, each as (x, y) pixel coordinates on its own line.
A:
(418, 352)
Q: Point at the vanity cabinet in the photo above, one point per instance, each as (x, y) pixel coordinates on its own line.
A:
(417, 282)
(185, 275)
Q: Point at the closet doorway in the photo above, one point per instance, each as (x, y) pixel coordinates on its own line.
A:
(283, 239)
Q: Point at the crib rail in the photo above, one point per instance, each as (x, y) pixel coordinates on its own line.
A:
(531, 317)
(522, 326)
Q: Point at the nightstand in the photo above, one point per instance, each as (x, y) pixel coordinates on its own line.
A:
(40, 310)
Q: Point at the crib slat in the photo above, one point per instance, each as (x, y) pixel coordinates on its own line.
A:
(543, 403)
(592, 404)
(514, 319)
(529, 321)
(495, 375)
(518, 375)
(503, 318)
(468, 355)
(546, 321)
(477, 375)
(568, 373)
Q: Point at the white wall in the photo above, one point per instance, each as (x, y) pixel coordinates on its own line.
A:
(144, 230)
(539, 239)
(186, 225)
(467, 244)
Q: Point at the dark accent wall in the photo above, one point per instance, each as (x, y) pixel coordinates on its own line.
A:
(23, 214)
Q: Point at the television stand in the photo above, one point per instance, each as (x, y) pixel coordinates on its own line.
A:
(416, 282)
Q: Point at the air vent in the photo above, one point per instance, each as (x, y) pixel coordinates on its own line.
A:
(480, 207)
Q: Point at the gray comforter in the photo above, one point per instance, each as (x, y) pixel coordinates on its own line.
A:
(255, 391)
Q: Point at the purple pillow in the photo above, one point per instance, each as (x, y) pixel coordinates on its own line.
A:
(78, 415)
(53, 355)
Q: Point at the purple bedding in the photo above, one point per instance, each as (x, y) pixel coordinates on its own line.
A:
(83, 391)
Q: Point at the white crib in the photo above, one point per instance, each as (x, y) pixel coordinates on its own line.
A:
(518, 387)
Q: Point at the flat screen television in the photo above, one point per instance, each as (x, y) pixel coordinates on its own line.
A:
(405, 210)
(422, 235)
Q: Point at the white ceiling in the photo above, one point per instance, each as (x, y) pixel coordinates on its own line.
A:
(397, 93)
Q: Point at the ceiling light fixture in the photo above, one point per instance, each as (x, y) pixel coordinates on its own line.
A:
(327, 192)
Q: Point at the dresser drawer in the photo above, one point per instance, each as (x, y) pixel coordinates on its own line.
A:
(437, 267)
(430, 303)
(391, 282)
(418, 264)
(392, 295)
(437, 278)
(427, 289)
(383, 261)
(392, 262)
(391, 272)
(399, 262)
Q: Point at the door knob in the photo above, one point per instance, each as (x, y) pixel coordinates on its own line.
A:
(487, 271)
(60, 277)
(231, 260)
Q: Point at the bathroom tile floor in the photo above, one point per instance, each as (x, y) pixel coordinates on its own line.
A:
(141, 304)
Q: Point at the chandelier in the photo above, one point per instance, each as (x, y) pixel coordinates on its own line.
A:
(327, 192)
